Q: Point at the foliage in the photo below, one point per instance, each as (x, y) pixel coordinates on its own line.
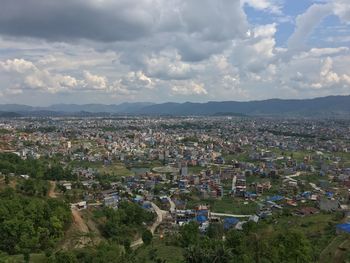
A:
(124, 223)
(12, 163)
(103, 253)
(189, 234)
(147, 237)
(29, 224)
(39, 169)
(33, 187)
(250, 245)
(56, 172)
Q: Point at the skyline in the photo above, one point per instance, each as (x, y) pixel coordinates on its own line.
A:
(175, 50)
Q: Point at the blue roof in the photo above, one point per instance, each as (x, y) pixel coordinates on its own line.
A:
(307, 193)
(146, 205)
(344, 227)
(275, 198)
(202, 212)
(329, 194)
(201, 219)
(230, 222)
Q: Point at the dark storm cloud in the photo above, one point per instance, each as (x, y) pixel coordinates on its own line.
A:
(74, 19)
(117, 20)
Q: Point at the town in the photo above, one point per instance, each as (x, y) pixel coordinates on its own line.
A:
(220, 172)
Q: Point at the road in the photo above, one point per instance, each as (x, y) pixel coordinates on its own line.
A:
(228, 215)
(290, 177)
(52, 192)
(314, 186)
(172, 205)
(160, 215)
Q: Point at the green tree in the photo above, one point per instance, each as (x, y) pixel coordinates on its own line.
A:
(147, 237)
(189, 234)
(293, 246)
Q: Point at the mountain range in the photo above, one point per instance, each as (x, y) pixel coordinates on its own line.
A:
(317, 107)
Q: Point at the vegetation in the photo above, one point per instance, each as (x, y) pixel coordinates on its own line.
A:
(250, 245)
(125, 223)
(12, 163)
(30, 224)
(103, 253)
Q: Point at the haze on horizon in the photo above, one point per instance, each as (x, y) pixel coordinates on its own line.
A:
(114, 51)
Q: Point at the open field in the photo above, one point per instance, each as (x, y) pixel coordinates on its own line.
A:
(117, 169)
(226, 205)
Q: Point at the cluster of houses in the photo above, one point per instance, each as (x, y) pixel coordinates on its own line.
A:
(303, 165)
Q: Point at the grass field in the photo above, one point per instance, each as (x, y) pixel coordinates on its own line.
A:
(118, 169)
(226, 205)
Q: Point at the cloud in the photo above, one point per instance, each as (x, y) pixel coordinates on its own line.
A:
(273, 7)
(137, 81)
(108, 20)
(255, 53)
(330, 78)
(16, 65)
(191, 88)
(342, 10)
(308, 21)
(103, 20)
(112, 51)
(26, 75)
(95, 81)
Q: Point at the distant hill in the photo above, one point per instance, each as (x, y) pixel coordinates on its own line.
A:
(325, 106)
(318, 107)
(9, 114)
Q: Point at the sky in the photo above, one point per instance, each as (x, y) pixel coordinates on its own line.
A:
(114, 51)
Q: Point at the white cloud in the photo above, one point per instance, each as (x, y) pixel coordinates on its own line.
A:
(330, 78)
(16, 65)
(265, 5)
(191, 88)
(95, 81)
(306, 22)
(342, 10)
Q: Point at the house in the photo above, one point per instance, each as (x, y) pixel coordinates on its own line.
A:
(305, 211)
(67, 185)
(111, 201)
(329, 205)
(343, 228)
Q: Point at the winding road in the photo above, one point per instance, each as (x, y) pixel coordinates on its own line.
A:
(160, 215)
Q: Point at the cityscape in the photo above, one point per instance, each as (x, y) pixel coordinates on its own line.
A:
(174, 131)
(222, 175)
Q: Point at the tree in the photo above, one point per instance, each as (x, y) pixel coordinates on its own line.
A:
(147, 237)
(189, 234)
(65, 257)
(215, 230)
(293, 246)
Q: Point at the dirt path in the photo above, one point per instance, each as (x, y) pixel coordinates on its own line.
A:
(79, 222)
(52, 192)
(78, 234)
(160, 215)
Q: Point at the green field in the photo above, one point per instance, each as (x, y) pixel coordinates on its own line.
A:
(117, 169)
(226, 205)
